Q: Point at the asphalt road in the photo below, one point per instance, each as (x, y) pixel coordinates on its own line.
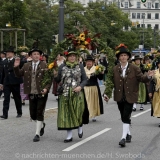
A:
(100, 139)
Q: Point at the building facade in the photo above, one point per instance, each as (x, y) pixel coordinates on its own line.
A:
(142, 15)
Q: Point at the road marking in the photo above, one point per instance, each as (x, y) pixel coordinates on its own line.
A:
(50, 108)
(141, 113)
(86, 140)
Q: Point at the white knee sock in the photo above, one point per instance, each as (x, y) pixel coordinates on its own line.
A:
(69, 134)
(125, 130)
(38, 127)
(134, 105)
(129, 133)
(80, 130)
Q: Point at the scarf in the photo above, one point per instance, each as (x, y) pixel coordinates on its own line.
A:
(89, 71)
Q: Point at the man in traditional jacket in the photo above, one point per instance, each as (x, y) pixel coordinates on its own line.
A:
(126, 78)
(33, 73)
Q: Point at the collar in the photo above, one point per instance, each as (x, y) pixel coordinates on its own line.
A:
(3, 59)
(125, 66)
(10, 59)
(35, 63)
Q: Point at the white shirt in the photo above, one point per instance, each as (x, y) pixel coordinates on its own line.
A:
(124, 69)
(36, 65)
(3, 59)
(10, 59)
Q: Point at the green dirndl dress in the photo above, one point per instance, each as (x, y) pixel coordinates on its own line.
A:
(142, 93)
(70, 110)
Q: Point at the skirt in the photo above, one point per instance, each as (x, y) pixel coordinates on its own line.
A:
(92, 98)
(70, 111)
(156, 104)
(142, 93)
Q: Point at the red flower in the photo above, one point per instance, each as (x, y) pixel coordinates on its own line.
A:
(65, 53)
(88, 40)
(121, 45)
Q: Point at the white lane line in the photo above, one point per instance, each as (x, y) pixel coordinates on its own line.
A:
(86, 140)
(141, 113)
(50, 108)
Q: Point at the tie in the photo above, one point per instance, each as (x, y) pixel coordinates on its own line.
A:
(34, 68)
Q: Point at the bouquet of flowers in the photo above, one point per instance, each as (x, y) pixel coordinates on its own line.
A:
(22, 49)
(147, 66)
(99, 69)
(84, 40)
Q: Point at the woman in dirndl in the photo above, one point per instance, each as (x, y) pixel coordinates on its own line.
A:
(92, 90)
(142, 88)
(154, 92)
(71, 104)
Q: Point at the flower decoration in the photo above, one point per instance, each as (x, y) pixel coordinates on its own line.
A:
(147, 66)
(99, 69)
(51, 65)
(65, 53)
(121, 45)
(22, 49)
(84, 39)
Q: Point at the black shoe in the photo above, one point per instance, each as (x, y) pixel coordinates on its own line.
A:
(42, 130)
(122, 142)
(128, 138)
(134, 109)
(19, 115)
(4, 117)
(159, 125)
(23, 103)
(36, 138)
(68, 140)
(80, 135)
(141, 108)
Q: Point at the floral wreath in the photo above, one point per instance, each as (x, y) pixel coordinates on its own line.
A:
(82, 42)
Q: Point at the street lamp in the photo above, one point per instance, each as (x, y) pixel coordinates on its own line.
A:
(61, 20)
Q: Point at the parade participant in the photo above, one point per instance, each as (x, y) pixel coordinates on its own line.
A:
(3, 60)
(142, 88)
(154, 92)
(59, 60)
(45, 58)
(126, 78)
(10, 84)
(147, 66)
(33, 73)
(72, 79)
(91, 90)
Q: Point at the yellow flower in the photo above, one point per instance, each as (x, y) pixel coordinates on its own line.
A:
(51, 65)
(97, 67)
(82, 37)
(85, 43)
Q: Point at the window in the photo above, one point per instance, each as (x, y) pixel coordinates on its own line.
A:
(149, 5)
(143, 15)
(149, 16)
(138, 26)
(143, 25)
(118, 4)
(126, 5)
(156, 5)
(138, 4)
(156, 15)
(138, 16)
(133, 15)
(149, 26)
(110, 3)
(156, 26)
(126, 27)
